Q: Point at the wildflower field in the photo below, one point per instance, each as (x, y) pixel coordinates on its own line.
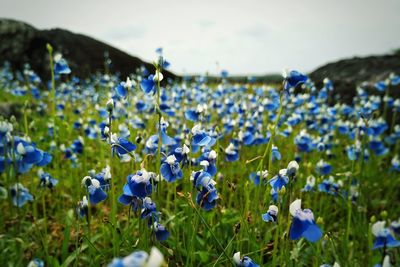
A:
(145, 171)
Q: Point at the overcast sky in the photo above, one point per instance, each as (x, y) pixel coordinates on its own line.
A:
(244, 37)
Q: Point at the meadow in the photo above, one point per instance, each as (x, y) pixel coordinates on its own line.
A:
(245, 174)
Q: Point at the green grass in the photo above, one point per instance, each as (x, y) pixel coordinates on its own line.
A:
(49, 229)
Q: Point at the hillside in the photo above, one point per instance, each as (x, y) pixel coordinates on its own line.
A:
(22, 43)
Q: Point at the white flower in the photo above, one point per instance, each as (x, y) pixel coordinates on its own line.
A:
(21, 149)
(129, 83)
(196, 129)
(230, 149)
(185, 150)
(311, 180)
(171, 159)
(283, 172)
(95, 183)
(156, 258)
(292, 167)
(204, 163)
(158, 76)
(378, 227)
(212, 154)
(57, 57)
(236, 258)
(273, 208)
(294, 207)
(5, 127)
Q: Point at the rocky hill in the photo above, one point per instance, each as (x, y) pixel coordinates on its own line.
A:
(22, 43)
(348, 73)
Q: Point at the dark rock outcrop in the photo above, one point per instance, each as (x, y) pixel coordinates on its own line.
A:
(348, 73)
(21, 43)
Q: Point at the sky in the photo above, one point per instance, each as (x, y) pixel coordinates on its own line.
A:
(241, 36)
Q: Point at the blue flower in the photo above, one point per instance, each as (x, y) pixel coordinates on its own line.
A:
(280, 180)
(83, 208)
(120, 90)
(329, 187)
(303, 224)
(207, 196)
(309, 187)
(181, 154)
(149, 211)
(208, 161)
(121, 145)
(231, 153)
(293, 78)
(138, 185)
(201, 138)
(380, 86)
(140, 259)
(256, 177)
(148, 85)
(36, 263)
(323, 167)
(243, 262)
(276, 155)
(95, 191)
(161, 232)
(170, 169)
(61, 65)
(271, 215)
(395, 226)
(20, 195)
(383, 236)
(46, 180)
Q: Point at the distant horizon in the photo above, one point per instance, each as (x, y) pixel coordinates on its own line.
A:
(255, 37)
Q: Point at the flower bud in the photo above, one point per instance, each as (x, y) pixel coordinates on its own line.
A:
(110, 105)
(384, 214)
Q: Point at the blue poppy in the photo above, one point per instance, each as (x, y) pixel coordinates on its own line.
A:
(280, 180)
(329, 187)
(380, 86)
(271, 215)
(95, 191)
(46, 180)
(257, 177)
(293, 79)
(148, 85)
(61, 67)
(323, 168)
(20, 195)
(139, 184)
(303, 223)
(170, 169)
(140, 258)
(161, 232)
(276, 155)
(383, 236)
(120, 90)
(201, 138)
(243, 262)
(36, 263)
(208, 160)
(207, 196)
(149, 211)
(231, 153)
(121, 145)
